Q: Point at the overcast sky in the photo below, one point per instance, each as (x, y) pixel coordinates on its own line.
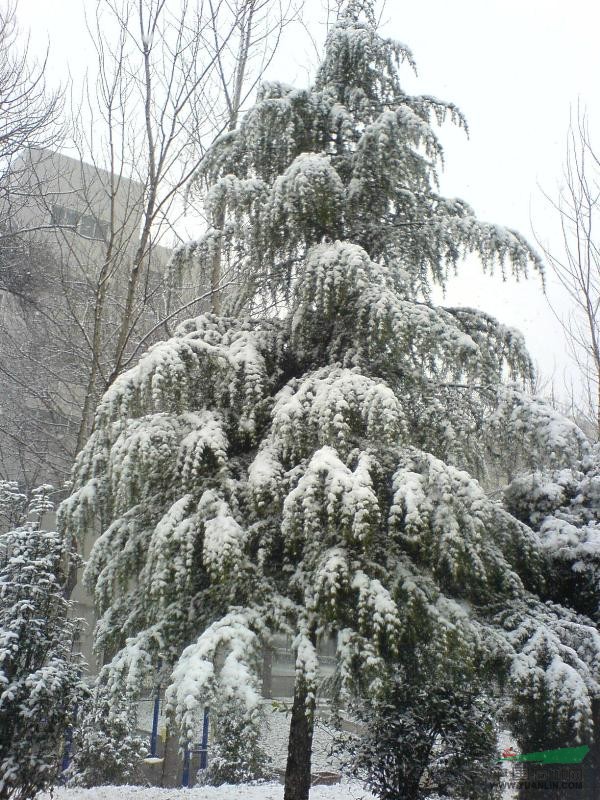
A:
(514, 68)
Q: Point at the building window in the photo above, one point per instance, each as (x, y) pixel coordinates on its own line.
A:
(102, 229)
(67, 217)
(85, 224)
(56, 215)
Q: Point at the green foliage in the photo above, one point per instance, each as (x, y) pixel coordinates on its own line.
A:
(40, 677)
(427, 734)
(106, 749)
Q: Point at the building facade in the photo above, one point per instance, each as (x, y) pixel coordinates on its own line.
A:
(69, 232)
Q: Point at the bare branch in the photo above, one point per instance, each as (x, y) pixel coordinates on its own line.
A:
(577, 265)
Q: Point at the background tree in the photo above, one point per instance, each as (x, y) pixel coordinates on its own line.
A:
(31, 117)
(577, 266)
(161, 91)
(563, 507)
(427, 735)
(313, 471)
(40, 683)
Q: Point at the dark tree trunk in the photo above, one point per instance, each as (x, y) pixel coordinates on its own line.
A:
(565, 781)
(591, 763)
(297, 773)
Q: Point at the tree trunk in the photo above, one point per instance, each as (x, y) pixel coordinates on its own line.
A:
(215, 273)
(591, 763)
(297, 773)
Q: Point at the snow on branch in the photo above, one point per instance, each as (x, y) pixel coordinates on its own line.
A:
(336, 407)
(225, 661)
(330, 500)
(443, 518)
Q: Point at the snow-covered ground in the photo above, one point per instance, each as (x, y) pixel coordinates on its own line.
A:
(265, 791)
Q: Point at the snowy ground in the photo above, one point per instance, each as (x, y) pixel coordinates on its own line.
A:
(267, 791)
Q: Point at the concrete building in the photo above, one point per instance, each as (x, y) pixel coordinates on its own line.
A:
(62, 221)
(66, 221)
(65, 191)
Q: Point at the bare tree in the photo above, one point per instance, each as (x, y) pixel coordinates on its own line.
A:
(577, 267)
(170, 77)
(29, 115)
(255, 31)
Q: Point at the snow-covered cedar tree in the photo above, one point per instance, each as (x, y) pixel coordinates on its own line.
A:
(317, 471)
(429, 733)
(40, 683)
(563, 507)
(106, 749)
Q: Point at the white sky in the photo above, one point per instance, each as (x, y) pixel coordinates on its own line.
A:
(514, 68)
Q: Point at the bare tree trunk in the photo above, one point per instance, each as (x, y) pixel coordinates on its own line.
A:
(90, 396)
(297, 773)
(215, 273)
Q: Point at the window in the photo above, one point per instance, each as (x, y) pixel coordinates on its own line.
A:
(102, 229)
(93, 228)
(85, 224)
(57, 215)
(71, 217)
(64, 216)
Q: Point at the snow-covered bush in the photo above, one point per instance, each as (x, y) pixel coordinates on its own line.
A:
(224, 663)
(106, 749)
(426, 735)
(236, 752)
(315, 471)
(40, 683)
(563, 506)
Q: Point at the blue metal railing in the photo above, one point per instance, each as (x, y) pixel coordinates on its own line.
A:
(201, 749)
